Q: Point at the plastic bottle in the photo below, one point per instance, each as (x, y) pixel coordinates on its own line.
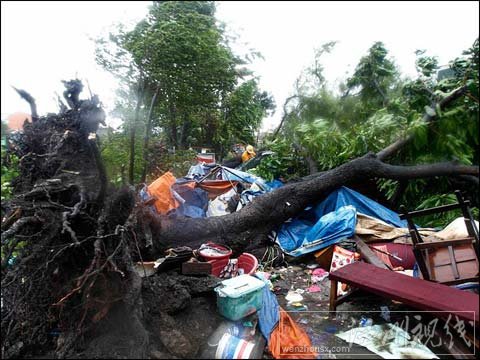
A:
(232, 340)
(365, 321)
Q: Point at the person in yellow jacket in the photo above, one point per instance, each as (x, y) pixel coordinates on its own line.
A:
(248, 153)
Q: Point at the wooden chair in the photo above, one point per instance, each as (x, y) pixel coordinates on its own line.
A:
(451, 261)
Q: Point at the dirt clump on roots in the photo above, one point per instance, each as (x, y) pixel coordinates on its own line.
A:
(69, 244)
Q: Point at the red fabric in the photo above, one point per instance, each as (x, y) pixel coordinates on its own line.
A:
(403, 251)
(216, 187)
(208, 159)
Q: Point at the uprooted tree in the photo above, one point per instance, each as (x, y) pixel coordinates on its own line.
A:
(69, 241)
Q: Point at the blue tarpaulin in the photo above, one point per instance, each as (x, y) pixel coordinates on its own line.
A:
(345, 196)
(237, 175)
(274, 184)
(193, 201)
(301, 236)
(331, 221)
(197, 171)
(269, 314)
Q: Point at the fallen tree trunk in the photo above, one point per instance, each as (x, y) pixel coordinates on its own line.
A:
(277, 206)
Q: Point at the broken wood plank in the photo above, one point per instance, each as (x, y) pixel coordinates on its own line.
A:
(444, 243)
(368, 255)
(196, 268)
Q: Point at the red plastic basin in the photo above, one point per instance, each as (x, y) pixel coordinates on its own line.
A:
(216, 257)
(246, 261)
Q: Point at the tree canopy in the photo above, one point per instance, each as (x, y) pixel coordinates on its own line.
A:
(376, 106)
(204, 95)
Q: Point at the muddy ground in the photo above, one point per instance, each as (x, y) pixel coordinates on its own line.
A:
(195, 318)
(182, 311)
(180, 315)
(322, 326)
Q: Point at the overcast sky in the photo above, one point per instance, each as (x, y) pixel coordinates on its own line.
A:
(45, 42)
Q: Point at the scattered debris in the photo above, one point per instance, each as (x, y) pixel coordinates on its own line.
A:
(293, 297)
(385, 313)
(314, 289)
(388, 341)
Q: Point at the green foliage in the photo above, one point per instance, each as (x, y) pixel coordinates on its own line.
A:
(245, 109)
(331, 145)
(9, 172)
(286, 162)
(9, 164)
(181, 52)
(312, 78)
(114, 150)
(427, 65)
(374, 76)
(454, 135)
(388, 187)
(179, 46)
(438, 220)
(178, 163)
(377, 108)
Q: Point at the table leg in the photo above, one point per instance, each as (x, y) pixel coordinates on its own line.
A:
(333, 295)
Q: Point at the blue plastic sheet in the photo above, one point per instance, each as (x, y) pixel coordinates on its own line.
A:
(190, 211)
(237, 175)
(269, 314)
(193, 202)
(247, 196)
(196, 172)
(345, 196)
(331, 221)
(274, 184)
(145, 196)
(302, 236)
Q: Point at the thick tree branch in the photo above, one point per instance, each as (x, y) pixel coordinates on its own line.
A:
(31, 101)
(393, 148)
(284, 114)
(147, 134)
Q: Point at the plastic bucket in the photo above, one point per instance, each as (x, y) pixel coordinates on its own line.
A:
(209, 257)
(246, 261)
(218, 266)
(232, 347)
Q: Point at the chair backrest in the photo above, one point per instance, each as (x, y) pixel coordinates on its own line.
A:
(449, 261)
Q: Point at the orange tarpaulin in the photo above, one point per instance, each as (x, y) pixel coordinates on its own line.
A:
(216, 187)
(160, 189)
(289, 340)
